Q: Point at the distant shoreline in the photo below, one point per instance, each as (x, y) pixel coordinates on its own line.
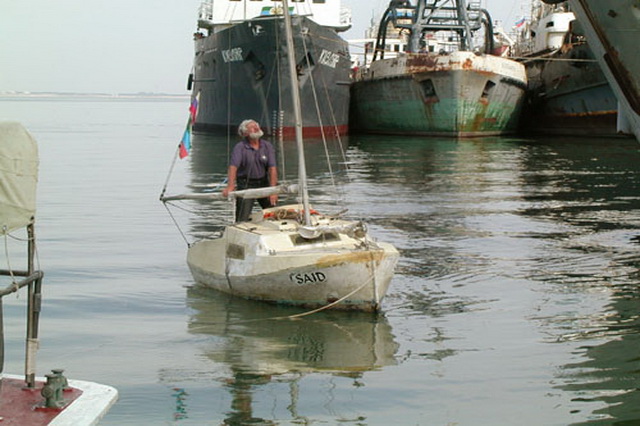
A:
(105, 96)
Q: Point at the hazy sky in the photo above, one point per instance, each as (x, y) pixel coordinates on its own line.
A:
(124, 46)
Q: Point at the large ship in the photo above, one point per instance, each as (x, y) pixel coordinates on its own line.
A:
(568, 92)
(613, 30)
(240, 68)
(443, 80)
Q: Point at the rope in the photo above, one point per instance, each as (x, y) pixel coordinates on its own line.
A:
(14, 283)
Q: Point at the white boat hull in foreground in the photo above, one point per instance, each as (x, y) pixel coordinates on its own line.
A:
(85, 403)
(268, 260)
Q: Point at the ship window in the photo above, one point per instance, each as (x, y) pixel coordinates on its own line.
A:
(305, 63)
(257, 68)
(319, 1)
(487, 89)
(324, 238)
(429, 91)
(549, 24)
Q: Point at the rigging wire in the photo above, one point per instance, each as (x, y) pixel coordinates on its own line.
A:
(320, 122)
(228, 102)
(173, 163)
(184, 237)
(280, 113)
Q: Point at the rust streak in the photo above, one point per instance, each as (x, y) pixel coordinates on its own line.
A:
(353, 257)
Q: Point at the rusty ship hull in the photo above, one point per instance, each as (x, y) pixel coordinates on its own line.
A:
(612, 28)
(459, 94)
(568, 92)
(570, 97)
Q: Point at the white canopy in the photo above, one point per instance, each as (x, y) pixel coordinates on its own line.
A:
(18, 176)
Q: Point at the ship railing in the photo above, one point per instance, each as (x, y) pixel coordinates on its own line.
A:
(345, 16)
(32, 279)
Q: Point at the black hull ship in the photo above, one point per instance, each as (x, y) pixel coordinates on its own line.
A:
(240, 68)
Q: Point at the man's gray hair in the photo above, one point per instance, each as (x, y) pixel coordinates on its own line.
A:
(242, 128)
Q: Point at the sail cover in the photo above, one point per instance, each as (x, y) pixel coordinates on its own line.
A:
(18, 176)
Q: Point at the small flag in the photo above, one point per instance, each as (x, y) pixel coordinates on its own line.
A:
(185, 142)
(193, 108)
(270, 11)
(520, 22)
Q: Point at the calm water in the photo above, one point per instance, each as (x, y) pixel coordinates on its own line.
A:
(516, 299)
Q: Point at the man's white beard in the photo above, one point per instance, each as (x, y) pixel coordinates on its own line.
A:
(256, 135)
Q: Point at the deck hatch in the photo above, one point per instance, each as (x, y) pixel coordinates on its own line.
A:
(297, 240)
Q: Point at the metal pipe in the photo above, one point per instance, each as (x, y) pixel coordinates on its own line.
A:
(295, 93)
(243, 193)
(33, 314)
(19, 284)
(1, 340)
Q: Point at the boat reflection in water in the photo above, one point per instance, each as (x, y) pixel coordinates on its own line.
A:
(609, 373)
(263, 354)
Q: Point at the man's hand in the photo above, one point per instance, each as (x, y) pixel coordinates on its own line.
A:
(227, 190)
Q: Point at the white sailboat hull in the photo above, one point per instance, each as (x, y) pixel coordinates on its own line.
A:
(281, 267)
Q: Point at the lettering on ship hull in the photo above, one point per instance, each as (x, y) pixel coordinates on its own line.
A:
(232, 55)
(329, 59)
(308, 278)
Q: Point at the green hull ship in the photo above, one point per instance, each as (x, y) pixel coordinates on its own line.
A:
(455, 91)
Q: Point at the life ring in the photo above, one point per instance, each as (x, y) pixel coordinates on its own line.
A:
(282, 214)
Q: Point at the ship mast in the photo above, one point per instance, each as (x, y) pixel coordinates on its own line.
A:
(295, 94)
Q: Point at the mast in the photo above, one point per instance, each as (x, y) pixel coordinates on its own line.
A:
(295, 94)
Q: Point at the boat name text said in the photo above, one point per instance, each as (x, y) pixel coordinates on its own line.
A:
(232, 55)
(329, 59)
(308, 278)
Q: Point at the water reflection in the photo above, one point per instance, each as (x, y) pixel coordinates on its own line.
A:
(592, 182)
(259, 350)
(560, 217)
(610, 372)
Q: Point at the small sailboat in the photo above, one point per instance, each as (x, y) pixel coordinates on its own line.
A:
(290, 254)
(27, 399)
